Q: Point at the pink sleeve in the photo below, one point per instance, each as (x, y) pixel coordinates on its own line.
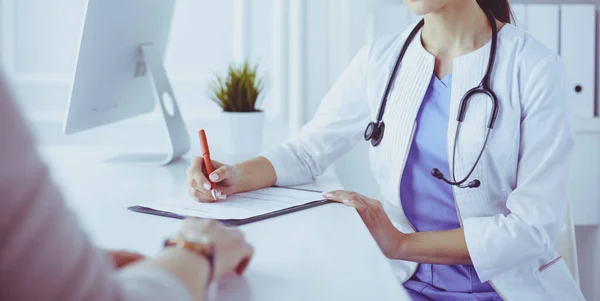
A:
(44, 255)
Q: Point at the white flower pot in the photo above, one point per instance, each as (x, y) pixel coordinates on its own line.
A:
(243, 132)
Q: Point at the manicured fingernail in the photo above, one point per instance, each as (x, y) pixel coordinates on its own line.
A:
(348, 203)
(214, 177)
(219, 193)
(328, 195)
(206, 186)
(221, 197)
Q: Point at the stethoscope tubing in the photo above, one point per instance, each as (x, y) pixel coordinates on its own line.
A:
(374, 131)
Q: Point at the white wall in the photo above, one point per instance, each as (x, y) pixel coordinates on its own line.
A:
(39, 42)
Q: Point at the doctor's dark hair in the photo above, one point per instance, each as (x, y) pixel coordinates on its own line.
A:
(499, 8)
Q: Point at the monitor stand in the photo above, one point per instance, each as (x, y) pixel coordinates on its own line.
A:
(151, 66)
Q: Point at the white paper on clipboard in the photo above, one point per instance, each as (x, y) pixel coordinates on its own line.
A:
(239, 206)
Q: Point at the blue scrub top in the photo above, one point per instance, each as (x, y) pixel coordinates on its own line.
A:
(429, 203)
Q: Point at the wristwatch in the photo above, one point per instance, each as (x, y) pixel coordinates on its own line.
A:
(205, 249)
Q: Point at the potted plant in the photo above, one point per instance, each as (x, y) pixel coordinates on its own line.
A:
(238, 94)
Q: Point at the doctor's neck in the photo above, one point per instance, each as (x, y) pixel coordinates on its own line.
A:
(458, 28)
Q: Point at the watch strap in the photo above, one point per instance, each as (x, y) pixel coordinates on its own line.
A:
(206, 250)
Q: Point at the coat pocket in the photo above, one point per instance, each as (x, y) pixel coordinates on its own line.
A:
(558, 282)
(549, 264)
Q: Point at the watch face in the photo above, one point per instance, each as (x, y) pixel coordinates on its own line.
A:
(204, 249)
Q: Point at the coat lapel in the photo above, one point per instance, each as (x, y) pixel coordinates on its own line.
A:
(403, 105)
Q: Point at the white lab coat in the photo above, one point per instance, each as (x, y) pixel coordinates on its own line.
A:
(512, 220)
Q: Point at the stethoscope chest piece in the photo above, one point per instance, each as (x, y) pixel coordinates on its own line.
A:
(374, 132)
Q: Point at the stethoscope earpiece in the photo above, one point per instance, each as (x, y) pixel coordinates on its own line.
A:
(436, 173)
(474, 184)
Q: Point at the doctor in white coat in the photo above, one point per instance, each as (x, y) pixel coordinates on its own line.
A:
(470, 207)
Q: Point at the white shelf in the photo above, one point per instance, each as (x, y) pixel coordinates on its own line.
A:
(591, 125)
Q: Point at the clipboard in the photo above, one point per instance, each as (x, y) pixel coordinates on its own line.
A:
(237, 222)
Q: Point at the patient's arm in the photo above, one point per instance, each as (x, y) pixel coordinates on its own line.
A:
(44, 255)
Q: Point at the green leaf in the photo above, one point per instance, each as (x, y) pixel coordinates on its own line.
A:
(238, 90)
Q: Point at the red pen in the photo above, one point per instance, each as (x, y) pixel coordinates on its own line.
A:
(207, 162)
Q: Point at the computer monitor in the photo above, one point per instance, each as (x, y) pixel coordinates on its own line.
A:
(120, 72)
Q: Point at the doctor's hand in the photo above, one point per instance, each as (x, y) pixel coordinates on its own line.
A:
(373, 215)
(199, 185)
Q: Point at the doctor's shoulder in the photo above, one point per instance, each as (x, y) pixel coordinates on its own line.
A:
(530, 58)
(385, 47)
(381, 52)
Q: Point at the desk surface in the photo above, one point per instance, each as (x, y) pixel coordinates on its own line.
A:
(324, 253)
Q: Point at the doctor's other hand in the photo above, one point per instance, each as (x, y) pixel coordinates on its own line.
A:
(371, 211)
(198, 180)
(232, 252)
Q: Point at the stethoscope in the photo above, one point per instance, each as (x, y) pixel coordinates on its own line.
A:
(375, 129)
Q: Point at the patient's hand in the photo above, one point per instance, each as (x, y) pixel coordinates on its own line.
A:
(232, 252)
(122, 259)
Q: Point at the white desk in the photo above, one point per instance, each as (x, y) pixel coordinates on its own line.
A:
(324, 253)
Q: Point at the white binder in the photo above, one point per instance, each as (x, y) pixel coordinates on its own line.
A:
(578, 48)
(543, 23)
